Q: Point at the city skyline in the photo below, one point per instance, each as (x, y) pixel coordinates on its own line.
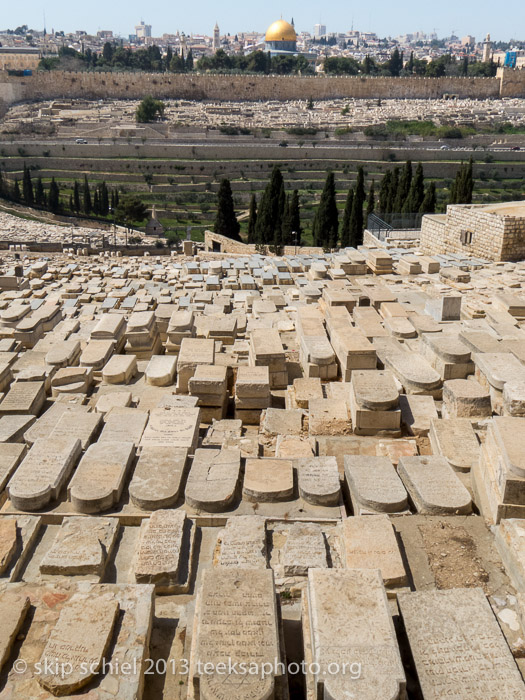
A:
(387, 20)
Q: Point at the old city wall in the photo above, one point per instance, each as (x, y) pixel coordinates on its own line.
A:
(43, 85)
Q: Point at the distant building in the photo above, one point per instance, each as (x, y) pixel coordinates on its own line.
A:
(487, 49)
(19, 58)
(319, 30)
(105, 34)
(216, 37)
(468, 40)
(143, 31)
(154, 227)
(281, 37)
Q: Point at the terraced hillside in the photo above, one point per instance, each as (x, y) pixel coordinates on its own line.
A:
(181, 180)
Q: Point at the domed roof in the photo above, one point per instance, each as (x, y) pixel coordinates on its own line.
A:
(281, 31)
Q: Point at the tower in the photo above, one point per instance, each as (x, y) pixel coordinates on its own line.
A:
(216, 37)
(487, 49)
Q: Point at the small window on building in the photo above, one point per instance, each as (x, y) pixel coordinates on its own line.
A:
(465, 237)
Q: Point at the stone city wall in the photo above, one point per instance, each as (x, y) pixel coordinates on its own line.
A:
(223, 244)
(45, 85)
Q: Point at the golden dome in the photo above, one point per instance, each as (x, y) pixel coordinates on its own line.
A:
(281, 31)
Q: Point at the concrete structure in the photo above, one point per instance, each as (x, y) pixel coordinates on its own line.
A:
(489, 231)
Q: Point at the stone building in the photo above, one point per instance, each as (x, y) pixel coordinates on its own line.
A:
(489, 231)
(281, 38)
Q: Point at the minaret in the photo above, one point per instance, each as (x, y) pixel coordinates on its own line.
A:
(487, 49)
(216, 37)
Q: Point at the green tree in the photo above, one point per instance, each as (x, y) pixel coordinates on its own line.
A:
(54, 197)
(403, 187)
(226, 223)
(40, 195)
(326, 221)
(295, 219)
(27, 187)
(268, 228)
(395, 64)
(417, 192)
(384, 192)
(463, 185)
(356, 218)
(16, 191)
(252, 219)
(428, 206)
(347, 214)
(76, 197)
(371, 200)
(189, 61)
(130, 209)
(149, 109)
(86, 197)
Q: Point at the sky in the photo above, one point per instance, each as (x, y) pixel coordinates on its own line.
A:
(385, 17)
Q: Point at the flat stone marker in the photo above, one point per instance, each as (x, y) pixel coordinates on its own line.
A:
(81, 638)
(268, 480)
(24, 398)
(13, 427)
(43, 472)
(11, 454)
(416, 413)
(304, 549)
(13, 609)
(176, 427)
(165, 551)
(242, 543)
(318, 479)
(161, 370)
(124, 425)
(375, 390)
(120, 369)
(113, 399)
(84, 426)
(346, 617)
(498, 368)
(213, 479)
(414, 372)
(510, 542)
(433, 486)
(508, 434)
(8, 542)
(464, 398)
(370, 543)
(44, 426)
(458, 647)
(82, 547)
(455, 440)
(98, 482)
(236, 622)
(158, 477)
(374, 485)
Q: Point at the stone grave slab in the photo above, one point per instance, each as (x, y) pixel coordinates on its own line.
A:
(304, 549)
(455, 440)
(13, 610)
(158, 478)
(11, 454)
(26, 529)
(44, 426)
(268, 480)
(433, 486)
(175, 428)
(318, 480)
(242, 543)
(374, 485)
(84, 426)
(24, 398)
(213, 479)
(13, 427)
(161, 370)
(124, 425)
(8, 542)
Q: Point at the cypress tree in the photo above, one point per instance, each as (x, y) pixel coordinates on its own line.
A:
(286, 228)
(252, 219)
(371, 201)
(268, 228)
(463, 185)
(76, 197)
(70, 202)
(96, 200)
(16, 191)
(226, 222)
(403, 188)
(54, 197)
(3, 186)
(345, 227)
(27, 187)
(428, 206)
(116, 197)
(417, 192)
(86, 195)
(327, 217)
(40, 195)
(356, 218)
(295, 218)
(384, 192)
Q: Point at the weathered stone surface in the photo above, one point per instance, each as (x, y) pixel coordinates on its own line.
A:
(464, 398)
(164, 554)
(370, 543)
(10, 457)
(99, 479)
(44, 426)
(318, 479)
(158, 477)
(84, 426)
(510, 542)
(417, 411)
(268, 480)
(176, 427)
(433, 486)
(8, 540)
(346, 616)
(497, 368)
(161, 370)
(450, 633)
(279, 421)
(305, 548)
(43, 473)
(456, 440)
(81, 638)
(374, 485)
(13, 427)
(213, 479)
(13, 609)
(120, 369)
(24, 398)
(242, 600)
(242, 543)
(328, 417)
(375, 390)
(113, 399)
(414, 372)
(82, 547)
(124, 425)
(509, 437)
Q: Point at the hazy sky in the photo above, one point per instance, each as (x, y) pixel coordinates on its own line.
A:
(385, 17)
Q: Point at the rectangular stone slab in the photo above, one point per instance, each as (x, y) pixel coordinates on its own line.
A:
(84, 426)
(177, 427)
(27, 529)
(11, 454)
(213, 479)
(374, 485)
(268, 480)
(124, 425)
(242, 543)
(24, 398)
(305, 548)
(8, 542)
(81, 547)
(158, 478)
(346, 618)
(99, 479)
(43, 472)
(164, 552)
(13, 427)
(458, 647)
(433, 486)
(318, 479)
(81, 636)
(13, 609)
(44, 426)
(455, 440)
(240, 601)
(370, 543)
